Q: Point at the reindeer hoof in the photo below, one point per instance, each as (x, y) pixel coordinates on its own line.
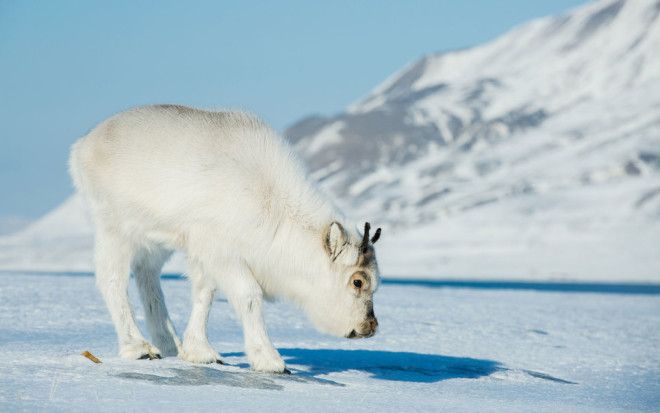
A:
(150, 357)
(139, 350)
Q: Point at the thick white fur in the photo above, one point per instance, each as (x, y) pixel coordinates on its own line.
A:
(224, 188)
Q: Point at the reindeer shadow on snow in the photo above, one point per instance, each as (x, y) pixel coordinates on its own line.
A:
(385, 365)
(381, 365)
(309, 365)
(390, 365)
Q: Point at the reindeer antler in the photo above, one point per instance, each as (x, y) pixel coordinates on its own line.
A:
(365, 237)
(376, 236)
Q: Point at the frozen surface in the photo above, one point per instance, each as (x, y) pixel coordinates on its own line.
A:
(438, 349)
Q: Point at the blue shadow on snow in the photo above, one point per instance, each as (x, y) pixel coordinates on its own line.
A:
(387, 365)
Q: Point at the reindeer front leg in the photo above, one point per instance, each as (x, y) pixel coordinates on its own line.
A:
(246, 296)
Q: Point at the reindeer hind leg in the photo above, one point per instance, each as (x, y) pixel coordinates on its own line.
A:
(113, 255)
(147, 265)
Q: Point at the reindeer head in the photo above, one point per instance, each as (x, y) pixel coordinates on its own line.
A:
(345, 307)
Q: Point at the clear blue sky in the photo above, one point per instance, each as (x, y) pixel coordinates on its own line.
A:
(66, 65)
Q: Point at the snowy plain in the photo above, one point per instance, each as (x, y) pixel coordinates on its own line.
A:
(438, 349)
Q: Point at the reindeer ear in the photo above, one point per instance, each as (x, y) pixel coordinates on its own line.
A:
(334, 239)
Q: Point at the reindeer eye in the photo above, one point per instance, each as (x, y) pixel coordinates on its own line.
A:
(360, 281)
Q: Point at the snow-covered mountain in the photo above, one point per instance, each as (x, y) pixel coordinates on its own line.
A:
(534, 155)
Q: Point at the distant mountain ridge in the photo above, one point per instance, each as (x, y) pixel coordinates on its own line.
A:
(453, 110)
(535, 155)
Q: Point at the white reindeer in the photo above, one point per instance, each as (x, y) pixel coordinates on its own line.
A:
(224, 188)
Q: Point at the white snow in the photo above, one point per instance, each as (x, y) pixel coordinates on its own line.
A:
(438, 349)
(326, 137)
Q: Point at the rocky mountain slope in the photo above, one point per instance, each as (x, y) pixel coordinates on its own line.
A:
(536, 153)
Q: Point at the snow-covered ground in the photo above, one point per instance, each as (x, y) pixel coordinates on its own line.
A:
(438, 349)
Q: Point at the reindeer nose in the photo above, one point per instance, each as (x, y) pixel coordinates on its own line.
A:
(372, 322)
(367, 329)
